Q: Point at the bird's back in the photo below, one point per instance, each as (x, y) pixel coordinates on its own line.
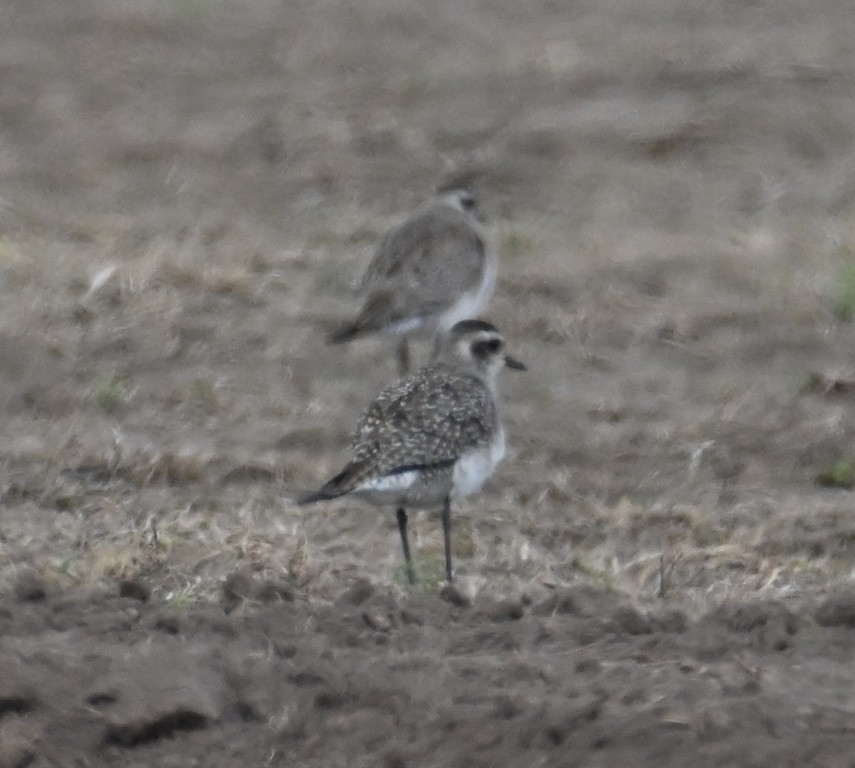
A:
(437, 254)
(427, 419)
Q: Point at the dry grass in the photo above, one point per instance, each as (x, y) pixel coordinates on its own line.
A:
(121, 500)
(675, 233)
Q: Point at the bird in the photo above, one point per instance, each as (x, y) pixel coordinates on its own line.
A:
(433, 270)
(431, 437)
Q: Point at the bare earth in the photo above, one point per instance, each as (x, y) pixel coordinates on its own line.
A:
(662, 573)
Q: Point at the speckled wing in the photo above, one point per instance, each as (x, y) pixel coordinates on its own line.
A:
(424, 420)
(432, 258)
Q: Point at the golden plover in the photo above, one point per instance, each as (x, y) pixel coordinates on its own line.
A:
(435, 269)
(430, 437)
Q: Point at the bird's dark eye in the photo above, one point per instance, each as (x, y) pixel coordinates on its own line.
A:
(467, 202)
(486, 348)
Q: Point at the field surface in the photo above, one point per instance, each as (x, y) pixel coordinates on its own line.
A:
(662, 571)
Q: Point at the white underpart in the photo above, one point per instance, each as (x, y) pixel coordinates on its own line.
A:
(407, 326)
(472, 303)
(473, 468)
(389, 484)
(470, 472)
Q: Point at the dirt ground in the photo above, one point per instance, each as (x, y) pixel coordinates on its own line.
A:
(662, 572)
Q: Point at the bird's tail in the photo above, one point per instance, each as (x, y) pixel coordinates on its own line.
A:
(344, 334)
(344, 482)
(315, 496)
(379, 310)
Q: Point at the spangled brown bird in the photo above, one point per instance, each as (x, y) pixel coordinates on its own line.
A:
(427, 274)
(430, 437)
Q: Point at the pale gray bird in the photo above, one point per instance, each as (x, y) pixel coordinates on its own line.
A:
(431, 437)
(428, 273)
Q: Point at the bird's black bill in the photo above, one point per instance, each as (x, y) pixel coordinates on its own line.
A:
(514, 364)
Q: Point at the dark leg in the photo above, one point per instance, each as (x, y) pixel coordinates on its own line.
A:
(446, 532)
(402, 527)
(403, 355)
(437, 345)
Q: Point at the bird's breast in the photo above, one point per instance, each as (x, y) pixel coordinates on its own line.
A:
(472, 302)
(474, 467)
